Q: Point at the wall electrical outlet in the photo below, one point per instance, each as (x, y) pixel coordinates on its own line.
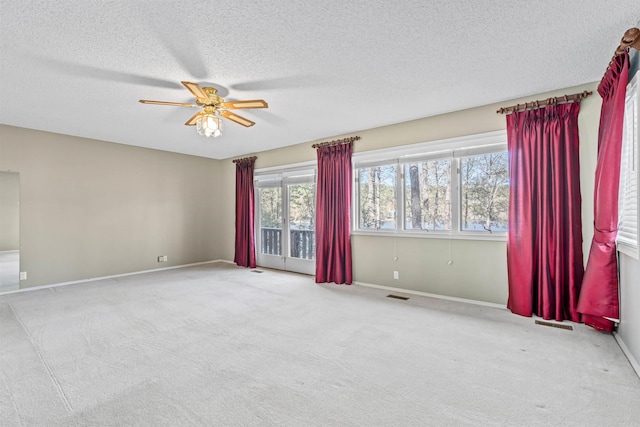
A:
(23, 275)
(162, 258)
(396, 275)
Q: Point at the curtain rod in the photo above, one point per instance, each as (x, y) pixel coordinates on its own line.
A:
(244, 159)
(574, 97)
(631, 38)
(336, 142)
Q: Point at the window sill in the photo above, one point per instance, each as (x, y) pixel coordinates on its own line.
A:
(500, 237)
(630, 251)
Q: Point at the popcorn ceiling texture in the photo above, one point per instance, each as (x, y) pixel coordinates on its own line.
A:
(325, 67)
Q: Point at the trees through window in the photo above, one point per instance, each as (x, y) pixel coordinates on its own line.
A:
(427, 195)
(463, 191)
(484, 184)
(376, 186)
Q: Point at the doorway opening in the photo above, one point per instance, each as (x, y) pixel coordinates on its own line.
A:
(9, 231)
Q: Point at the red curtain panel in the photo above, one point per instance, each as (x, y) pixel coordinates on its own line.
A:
(245, 255)
(333, 214)
(544, 244)
(599, 297)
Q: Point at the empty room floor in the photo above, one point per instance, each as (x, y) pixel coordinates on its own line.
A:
(216, 344)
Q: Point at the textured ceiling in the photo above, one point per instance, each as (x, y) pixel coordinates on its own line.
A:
(325, 67)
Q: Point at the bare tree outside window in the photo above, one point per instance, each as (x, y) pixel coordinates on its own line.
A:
(415, 200)
(271, 220)
(302, 206)
(377, 194)
(459, 189)
(485, 192)
(271, 207)
(302, 220)
(428, 195)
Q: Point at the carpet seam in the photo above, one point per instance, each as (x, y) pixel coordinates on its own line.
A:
(53, 378)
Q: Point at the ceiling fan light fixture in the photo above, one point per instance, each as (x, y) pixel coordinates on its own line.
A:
(209, 124)
(209, 121)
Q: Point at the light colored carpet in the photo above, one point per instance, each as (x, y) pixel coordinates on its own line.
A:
(225, 346)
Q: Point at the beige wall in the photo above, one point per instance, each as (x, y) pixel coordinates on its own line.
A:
(9, 211)
(629, 328)
(91, 208)
(479, 268)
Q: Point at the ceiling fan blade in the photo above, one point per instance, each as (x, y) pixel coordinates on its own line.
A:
(254, 103)
(175, 104)
(196, 90)
(236, 118)
(192, 120)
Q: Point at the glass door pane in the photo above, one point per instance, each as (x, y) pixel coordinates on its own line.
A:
(270, 206)
(302, 221)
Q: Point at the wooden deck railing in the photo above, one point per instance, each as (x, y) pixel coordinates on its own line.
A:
(302, 242)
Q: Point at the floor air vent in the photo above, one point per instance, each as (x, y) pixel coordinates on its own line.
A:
(397, 297)
(554, 325)
(257, 271)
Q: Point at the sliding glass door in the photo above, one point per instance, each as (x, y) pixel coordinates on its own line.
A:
(286, 221)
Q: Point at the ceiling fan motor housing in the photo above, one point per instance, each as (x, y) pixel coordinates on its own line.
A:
(214, 100)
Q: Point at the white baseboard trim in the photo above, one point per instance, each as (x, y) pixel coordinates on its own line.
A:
(634, 363)
(95, 279)
(426, 294)
(10, 251)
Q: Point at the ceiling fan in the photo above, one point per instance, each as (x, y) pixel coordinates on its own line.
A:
(208, 121)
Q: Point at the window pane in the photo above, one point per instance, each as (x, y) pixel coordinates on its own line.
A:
(271, 220)
(484, 194)
(377, 197)
(302, 220)
(427, 194)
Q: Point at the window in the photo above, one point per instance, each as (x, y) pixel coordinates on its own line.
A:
(444, 188)
(376, 187)
(484, 183)
(427, 190)
(627, 239)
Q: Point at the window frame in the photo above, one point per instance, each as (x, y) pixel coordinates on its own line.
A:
(452, 185)
(628, 239)
(451, 148)
(476, 153)
(356, 216)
